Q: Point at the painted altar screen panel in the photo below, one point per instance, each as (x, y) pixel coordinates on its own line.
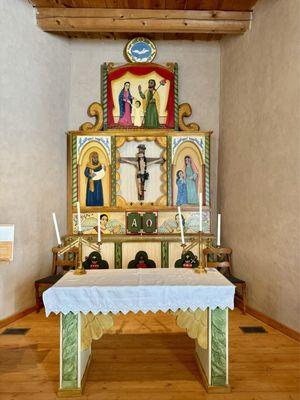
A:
(103, 179)
(91, 180)
(139, 96)
(134, 166)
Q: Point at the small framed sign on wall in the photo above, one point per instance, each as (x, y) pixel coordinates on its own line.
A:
(7, 242)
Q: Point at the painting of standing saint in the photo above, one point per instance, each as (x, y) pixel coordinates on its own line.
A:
(93, 178)
(94, 172)
(125, 106)
(192, 180)
(140, 96)
(188, 173)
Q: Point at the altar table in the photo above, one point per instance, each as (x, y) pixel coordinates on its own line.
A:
(86, 304)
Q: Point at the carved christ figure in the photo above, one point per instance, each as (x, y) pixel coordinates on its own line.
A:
(141, 162)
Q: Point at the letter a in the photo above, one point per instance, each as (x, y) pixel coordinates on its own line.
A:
(134, 223)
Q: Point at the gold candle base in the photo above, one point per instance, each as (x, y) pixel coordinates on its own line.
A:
(200, 270)
(80, 271)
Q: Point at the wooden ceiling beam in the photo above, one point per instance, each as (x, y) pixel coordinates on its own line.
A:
(142, 21)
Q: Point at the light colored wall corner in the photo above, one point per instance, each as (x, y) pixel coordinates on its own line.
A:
(199, 82)
(259, 157)
(34, 101)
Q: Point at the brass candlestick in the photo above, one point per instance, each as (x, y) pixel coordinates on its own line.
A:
(80, 269)
(201, 269)
(79, 241)
(203, 241)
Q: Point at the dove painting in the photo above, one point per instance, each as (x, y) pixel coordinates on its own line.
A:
(140, 50)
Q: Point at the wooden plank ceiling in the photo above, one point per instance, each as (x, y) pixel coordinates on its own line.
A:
(206, 20)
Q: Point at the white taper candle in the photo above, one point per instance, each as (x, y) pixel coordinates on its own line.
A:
(99, 229)
(181, 225)
(56, 229)
(200, 212)
(219, 231)
(78, 217)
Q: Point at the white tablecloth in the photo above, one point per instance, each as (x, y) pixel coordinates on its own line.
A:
(124, 290)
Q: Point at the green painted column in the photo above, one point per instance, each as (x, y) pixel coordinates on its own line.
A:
(164, 255)
(218, 347)
(207, 170)
(74, 171)
(176, 105)
(118, 255)
(104, 95)
(113, 172)
(69, 350)
(169, 170)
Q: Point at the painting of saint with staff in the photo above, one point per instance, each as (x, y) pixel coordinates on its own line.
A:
(151, 103)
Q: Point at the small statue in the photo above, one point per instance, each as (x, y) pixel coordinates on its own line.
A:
(187, 260)
(141, 261)
(94, 261)
(141, 163)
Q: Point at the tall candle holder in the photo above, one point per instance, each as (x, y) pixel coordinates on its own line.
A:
(79, 242)
(204, 240)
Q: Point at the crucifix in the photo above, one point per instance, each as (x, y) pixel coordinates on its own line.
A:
(141, 162)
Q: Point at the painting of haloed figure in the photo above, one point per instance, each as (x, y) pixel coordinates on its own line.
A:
(94, 176)
(188, 175)
(110, 223)
(168, 222)
(94, 172)
(144, 168)
(141, 97)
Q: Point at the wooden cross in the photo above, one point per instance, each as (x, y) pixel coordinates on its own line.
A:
(141, 162)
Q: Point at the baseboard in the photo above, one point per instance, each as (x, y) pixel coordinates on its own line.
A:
(269, 321)
(15, 317)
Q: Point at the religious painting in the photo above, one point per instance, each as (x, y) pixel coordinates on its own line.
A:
(188, 171)
(168, 222)
(110, 223)
(93, 171)
(140, 49)
(140, 96)
(142, 162)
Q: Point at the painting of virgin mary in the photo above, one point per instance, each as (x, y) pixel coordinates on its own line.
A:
(191, 176)
(125, 105)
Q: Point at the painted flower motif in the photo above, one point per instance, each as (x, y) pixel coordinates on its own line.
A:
(93, 327)
(163, 82)
(195, 323)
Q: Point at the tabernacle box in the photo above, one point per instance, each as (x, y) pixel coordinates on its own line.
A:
(6, 242)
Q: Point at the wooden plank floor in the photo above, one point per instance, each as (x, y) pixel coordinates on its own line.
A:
(149, 358)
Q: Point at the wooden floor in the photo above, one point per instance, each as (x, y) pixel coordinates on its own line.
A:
(149, 358)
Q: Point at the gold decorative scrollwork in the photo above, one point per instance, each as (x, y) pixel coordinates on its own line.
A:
(170, 66)
(110, 66)
(93, 327)
(94, 110)
(195, 323)
(185, 110)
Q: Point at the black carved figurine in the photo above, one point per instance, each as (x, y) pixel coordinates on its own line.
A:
(187, 260)
(141, 261)
(94, 261)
